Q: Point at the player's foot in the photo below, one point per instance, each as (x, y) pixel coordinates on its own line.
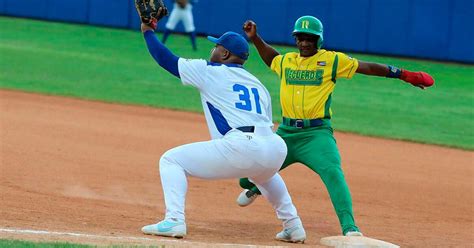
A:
(167, 228)
(354, 234)
(295, 234)
(246, 197)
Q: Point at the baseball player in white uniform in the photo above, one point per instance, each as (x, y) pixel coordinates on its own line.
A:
(182, 11)
(238, 112)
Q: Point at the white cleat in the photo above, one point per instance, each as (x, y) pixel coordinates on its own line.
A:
(167, 228)
(295, 234)
(246, 197)
(354, 234)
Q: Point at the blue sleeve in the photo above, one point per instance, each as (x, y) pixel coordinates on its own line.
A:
(161, 54)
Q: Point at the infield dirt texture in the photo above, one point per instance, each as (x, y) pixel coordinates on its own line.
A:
(76, 166)
(89, 168)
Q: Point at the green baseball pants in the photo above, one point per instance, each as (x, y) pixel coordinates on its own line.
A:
(316, 148)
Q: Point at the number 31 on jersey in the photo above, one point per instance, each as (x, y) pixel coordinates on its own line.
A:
(246, 99)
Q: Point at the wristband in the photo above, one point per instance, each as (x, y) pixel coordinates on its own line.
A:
(394, 72)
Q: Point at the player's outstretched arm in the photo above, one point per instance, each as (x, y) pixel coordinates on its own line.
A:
(150, 12)
(418, 79)
(162, 55)
(266, 52)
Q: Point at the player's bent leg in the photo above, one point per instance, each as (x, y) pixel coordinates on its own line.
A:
(174, 182)
(233, 156)
(275, 191)
(322, 156)
(251, 192)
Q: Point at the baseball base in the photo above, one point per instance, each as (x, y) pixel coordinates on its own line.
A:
(355, 242)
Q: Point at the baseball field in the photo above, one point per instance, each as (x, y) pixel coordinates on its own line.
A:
(86, 114)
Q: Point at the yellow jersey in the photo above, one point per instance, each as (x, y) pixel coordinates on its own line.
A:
(307, 83)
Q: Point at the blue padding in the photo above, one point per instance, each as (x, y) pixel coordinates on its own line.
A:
(430, 29)
(72, 11)
(27, 8)
(390, 27)
(3, 4)
(340, 35)
(134, 21)
(201, 16)
(461, 46)
(227, 16)
(433, 29)
(272, 24)
(114, 13)
(219, 120)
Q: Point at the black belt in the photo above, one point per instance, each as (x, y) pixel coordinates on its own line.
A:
(302, 123)
(247, 129)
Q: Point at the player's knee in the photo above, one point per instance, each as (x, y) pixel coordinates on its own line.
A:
(332, 174)
(167, 160)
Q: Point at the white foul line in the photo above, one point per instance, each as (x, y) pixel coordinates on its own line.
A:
(39, 232)
(95, 236)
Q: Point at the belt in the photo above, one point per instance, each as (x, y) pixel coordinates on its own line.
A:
(247, 129)
(302, 123)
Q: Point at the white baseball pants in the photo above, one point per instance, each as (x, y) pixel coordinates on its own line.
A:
(179, 14)
(257, 156)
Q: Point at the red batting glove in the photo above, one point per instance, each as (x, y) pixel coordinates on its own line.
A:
(418, 79)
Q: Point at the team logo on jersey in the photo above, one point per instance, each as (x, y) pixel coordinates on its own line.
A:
(321, 63)
(304, 77)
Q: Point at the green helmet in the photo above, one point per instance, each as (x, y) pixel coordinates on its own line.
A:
(310, 25)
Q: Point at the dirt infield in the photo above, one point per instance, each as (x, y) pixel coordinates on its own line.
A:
(86, 167)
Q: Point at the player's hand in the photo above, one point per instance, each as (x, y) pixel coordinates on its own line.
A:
(151, 11)
(419, 79)
(250, 29)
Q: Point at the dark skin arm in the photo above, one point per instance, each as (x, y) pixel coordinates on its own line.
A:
(373, 69)
(266, 52)
(418, 79)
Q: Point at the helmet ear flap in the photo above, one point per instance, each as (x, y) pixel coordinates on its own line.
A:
(320, 42)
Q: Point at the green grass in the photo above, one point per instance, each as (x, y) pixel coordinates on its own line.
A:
(30, 244)
(113, 65)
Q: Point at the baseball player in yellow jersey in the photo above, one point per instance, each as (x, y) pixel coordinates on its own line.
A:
(307, 80)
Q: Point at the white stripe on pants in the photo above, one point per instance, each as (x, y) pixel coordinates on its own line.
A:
(236, 155)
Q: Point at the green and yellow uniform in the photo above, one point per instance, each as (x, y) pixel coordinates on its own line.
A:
(307, 84)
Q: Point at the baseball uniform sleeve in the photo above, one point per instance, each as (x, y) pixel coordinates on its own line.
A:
(276, 64)
(347, 66)
(192, 72)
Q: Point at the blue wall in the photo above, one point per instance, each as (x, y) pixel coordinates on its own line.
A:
(433, 29)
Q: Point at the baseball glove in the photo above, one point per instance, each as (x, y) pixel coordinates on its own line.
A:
(151, 11)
